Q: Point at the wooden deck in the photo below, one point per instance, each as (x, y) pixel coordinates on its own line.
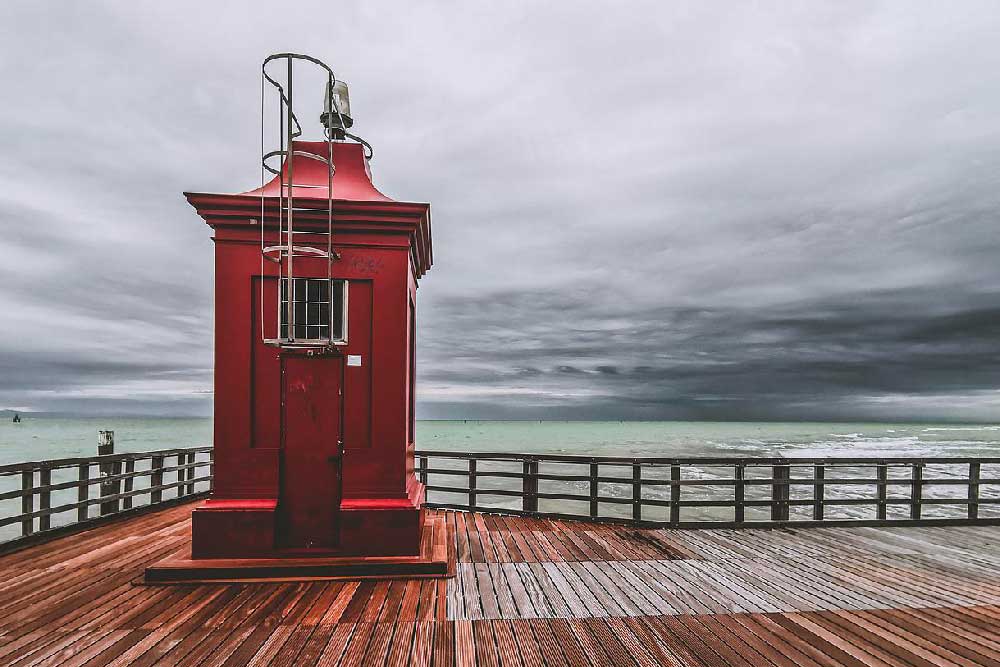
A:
(527, 592)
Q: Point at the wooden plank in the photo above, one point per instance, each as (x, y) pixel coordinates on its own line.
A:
(400, 651)
(529, 647)
(486, 645)
(465, 644)
(423, 645)
(444, 644)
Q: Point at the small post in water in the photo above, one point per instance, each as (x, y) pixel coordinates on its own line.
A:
(106, 446)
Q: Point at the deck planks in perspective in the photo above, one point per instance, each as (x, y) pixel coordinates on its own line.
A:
(527, 592)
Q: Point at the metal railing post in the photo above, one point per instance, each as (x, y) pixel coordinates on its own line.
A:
(739, 493)
(27, 502)
(529, 485)
(472, 483)
(106, 447)
(180, 474)
(189, 474)
(44, 498)
(675, 494)
(780, 475)
(882, 473)
(637, 492)
(156, 480)
(594, 506)
(819, 491)
(129, 482)
(974, 472)
(916, 491)
(83, 491)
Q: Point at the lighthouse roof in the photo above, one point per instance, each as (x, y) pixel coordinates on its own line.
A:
(352, 179)
(357, 203)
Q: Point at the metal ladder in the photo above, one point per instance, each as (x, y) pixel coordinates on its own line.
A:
(286, 250)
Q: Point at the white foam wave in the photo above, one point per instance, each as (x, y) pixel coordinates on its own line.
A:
(961, 428)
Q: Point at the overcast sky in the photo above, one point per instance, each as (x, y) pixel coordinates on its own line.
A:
(641, 210)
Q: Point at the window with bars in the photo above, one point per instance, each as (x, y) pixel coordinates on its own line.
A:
(319, 308)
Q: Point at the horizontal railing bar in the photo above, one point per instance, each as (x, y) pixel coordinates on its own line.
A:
(92, 481)
(52, 464)
(706, 460)
(479, 491)
(725, 502)
(98, 500)
(755, 481)
(804, 502)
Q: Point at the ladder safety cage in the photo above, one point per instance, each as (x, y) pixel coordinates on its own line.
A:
(292, 243)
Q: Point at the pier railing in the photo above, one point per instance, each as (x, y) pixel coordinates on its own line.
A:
(717, 492)
(63, 493)
(67, 494)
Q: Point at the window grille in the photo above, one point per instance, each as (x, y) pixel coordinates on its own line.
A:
(319, 309)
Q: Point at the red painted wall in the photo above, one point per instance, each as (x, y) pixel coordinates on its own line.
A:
(247, 380)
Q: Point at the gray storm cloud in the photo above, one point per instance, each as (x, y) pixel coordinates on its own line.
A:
(652, 210)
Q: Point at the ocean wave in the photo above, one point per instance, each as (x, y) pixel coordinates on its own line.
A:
(874, 447)
(961, 428)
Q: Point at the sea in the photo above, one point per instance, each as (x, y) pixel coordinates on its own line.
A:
(38, 438)
(46, 437)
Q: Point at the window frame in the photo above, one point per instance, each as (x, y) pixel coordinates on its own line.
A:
(312, 342)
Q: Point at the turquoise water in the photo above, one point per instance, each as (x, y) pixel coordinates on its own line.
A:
(37, 438)
(682, 439)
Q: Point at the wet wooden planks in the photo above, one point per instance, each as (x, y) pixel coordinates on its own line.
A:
(513, 568)
(527, 592)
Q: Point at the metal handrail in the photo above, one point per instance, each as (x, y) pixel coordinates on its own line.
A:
(590, 477)
(117, 492)
(533, 482)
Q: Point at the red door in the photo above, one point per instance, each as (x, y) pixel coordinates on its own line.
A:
(310, 476)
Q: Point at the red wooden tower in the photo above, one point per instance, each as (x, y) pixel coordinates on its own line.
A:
(315, 299)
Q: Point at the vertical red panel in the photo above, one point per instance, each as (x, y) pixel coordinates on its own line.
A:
(358, 379)
(411, 372)
(310, 480)
(265, 385)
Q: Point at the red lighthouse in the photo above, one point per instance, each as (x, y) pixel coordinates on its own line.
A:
(316, 278)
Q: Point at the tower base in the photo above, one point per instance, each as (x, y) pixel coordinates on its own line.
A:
(383, 526)
(432, 561)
